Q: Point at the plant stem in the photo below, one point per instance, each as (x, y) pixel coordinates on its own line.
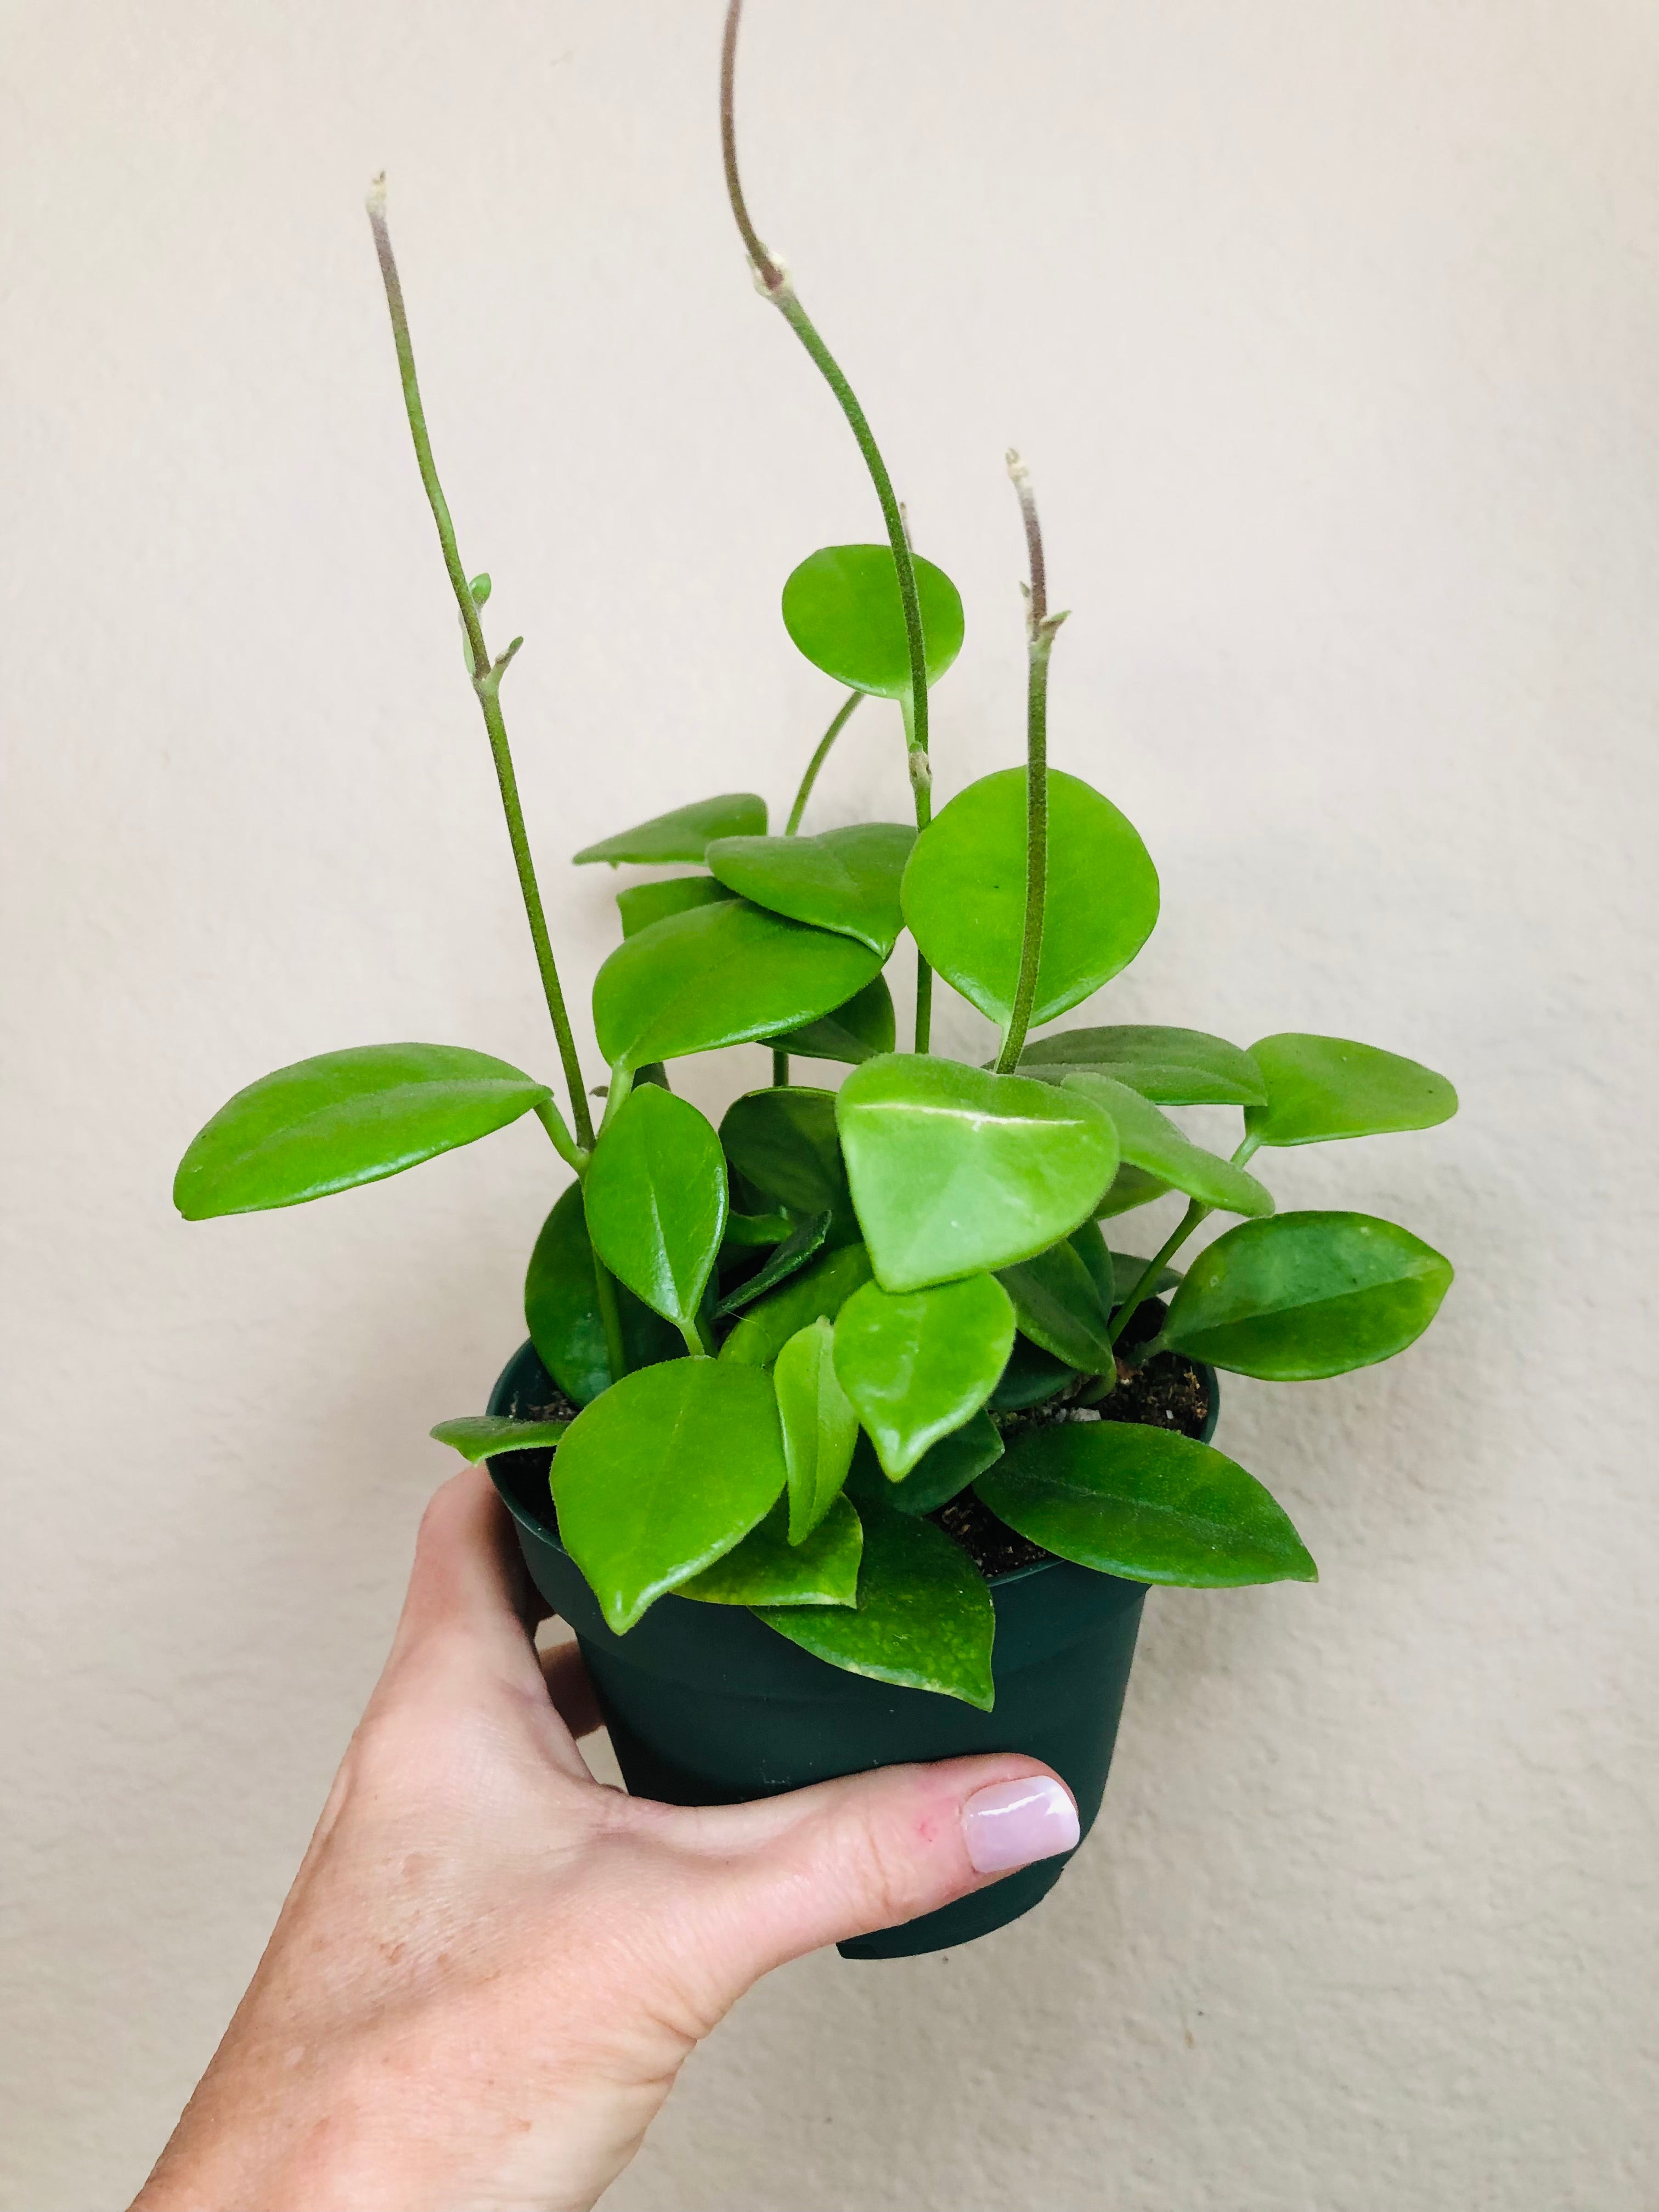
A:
(1141, 1289)
(605, 1290)
(1040, 627)
(780, 1070)
(843, 715)
(487, 675)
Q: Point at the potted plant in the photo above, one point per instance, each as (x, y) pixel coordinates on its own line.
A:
(864, 1444)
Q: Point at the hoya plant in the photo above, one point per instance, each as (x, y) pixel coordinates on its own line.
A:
(804, 1360)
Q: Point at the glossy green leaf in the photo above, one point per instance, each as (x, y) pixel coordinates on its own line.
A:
(784, 1141)
(1176, 1067)
(766, 1569)
(720, 975)
(842, 608)
(1128, 1268)
(752, 1231)
(818, 1292)
(916, 1366)
(801, 1245)
(847, 880)
(477, 1436)
(684, 834)
(820, 1427)
(1129, 1499)
(643, 903)
(1088, 1241)
(954, 1171)
(1320, 1087)
(925, 1620)
(345, 1118)
(857, 1031)
(1305, 1295)
(663, 1475)
(562, 1308)
(656, 1201)
(1031, 1377)
(940, 1474)
(964, 893)
(1151, 1140)
(1130, 1188)
(1058, 1305)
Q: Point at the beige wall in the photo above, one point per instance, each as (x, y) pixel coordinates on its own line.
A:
(1330, 330)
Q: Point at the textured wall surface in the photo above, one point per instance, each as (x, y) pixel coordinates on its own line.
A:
(1329, 329)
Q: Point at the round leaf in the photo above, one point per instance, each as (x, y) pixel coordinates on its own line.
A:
(964, 894)
(562, 1308)
(1150, 1140)
(820, 1427)
(854, 1032)
(819, 1292)
(916, 1366)
(1320, 1087)
(842, 608)
(1306, 1295)
(954, 1171)
(663, 1475)
(656, 1201)
(682, 835)
(847, 880)
(1129, 1499)
(766, 1569)
(1059, 1305)
(1176, 1068)
(783, 1140)
(645, 904)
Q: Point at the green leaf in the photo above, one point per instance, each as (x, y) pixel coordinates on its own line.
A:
(475, 1436)
(847, 880)
(720, 975)
(954, 1171)
(1128, 1268)
(562, 1308)
(1128, 1499)
(645, 904)
(1130, 1188)
(818, 1292)
(842, 608)
(858, 1030)
(916, 1366)
(964, 894)
(766, 1569)
(1031, 1377)
(1089, 1242)
(663, 1475)
(1176, 1067)
(682, 835)
(784, 1141)
(1150, 1140)
(801, 1245)
(1320, 1087)
(925, 1620)
(751, 1231)
(938, 1476)
(345, 1118)
(1059, 1305)
(1306, 1295)
(656, 1201)
(820, 1427)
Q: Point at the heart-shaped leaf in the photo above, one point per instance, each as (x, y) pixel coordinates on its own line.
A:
(477, 1436)
(820, 1427)
(938, 1476)
(854, 1032)
(766, 1569)
(1151, 1140)
(954, 1171)
(663, 1475)
(800, 1246)
(1306, 1295)
(1320, 1087)
(783, 1140)
(644, 903)
(847, 880)
(720, 975)
(562, 1308)
(818, 1292)
(682, 835)
(1176, 1068)
(345, 1118)
(656, 1201)
(842, 608)
(1130, 1188)
(964, 893)
(925, 1620)
(916, 1366)
(1129, 1499)
(1059, 1305)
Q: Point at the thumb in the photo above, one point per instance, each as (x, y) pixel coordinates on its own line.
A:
(845, 1858)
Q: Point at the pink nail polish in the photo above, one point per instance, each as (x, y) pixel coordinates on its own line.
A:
(1012, 1823)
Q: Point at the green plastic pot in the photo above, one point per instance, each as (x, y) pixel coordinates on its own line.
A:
(706, 1705)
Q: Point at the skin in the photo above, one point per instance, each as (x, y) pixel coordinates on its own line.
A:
(491, 1967)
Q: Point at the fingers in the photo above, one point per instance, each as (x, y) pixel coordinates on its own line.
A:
(567, 1685)
(469, 1597)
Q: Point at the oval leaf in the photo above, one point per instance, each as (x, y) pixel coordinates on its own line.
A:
(345, 1118)
(954, 1171)
(820, 1427)
(1176, 1067)
(1151, 1140)
(916, 1366)
(720, 975)
(656, 1201)
(562, 1308)
(663, 1475)
(766, 1569)
(940, 1474)
(842, 608)
(1320, 1087)
(1146, 1503)
(783, 1140)
(857, 1031)
(1059, 1305)
(964, 893)
(645, 904)
(1306, 1295)
(818, 1292)
(475, 1436)
(847, 880)
(682, 835)
(925, 1620)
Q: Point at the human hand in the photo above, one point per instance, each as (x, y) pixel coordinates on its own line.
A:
(491, 1967)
